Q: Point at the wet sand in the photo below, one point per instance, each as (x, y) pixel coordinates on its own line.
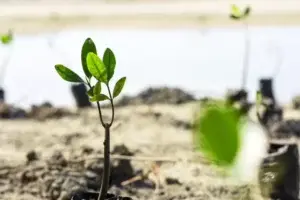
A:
(158, 132)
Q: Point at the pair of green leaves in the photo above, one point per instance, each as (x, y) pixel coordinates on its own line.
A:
(7, 38)
(238, 14)
(93, 66)
(102, 70)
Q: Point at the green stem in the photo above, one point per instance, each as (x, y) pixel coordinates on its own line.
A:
(99, 108)
(246, 56)
(106, 172)
(112, 106)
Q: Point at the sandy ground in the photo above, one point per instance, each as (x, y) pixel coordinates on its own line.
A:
(41, 16)
(158, 132)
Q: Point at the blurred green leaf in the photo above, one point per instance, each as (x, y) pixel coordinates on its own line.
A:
(87, 47)
(99, 97)
(258, 97)
(234, 17)
(217, 134)
(235, 12)
(97, 88)
(247, 11)
(96, 67)
(7, 38)
(110, 63)
(67, 74)
(119, 86)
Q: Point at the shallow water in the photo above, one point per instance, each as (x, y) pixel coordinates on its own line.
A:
(205, 62)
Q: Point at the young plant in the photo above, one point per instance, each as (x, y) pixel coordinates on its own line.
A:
(239, 15)
(6, 39)
(102, 70)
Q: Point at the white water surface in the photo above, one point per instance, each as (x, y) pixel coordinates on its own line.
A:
(204, 62)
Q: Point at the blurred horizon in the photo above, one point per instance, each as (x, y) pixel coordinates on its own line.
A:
(197, 38)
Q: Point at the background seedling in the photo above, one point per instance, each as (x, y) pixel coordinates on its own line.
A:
(103, 71)
(242, 15)
(6, 39)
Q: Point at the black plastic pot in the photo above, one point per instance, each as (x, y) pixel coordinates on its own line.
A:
(94, 196)
(2, 95)
(266, 88)
(279, 176)
(80, 96)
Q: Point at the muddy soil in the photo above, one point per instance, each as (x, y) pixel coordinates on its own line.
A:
(57, 158)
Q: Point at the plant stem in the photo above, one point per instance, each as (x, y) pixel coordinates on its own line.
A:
(99, 108)
(4, 65)
(106, 172)
(246, 56)
(100, 114)
(112, 106)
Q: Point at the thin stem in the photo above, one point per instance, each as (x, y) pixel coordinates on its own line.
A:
(99, 108)
(106, 171)
(4, 65)
(112, 106)
(100, 114)
(246, 56)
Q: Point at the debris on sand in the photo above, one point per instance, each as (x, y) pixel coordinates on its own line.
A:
(38, 112)
(10, 112)
(152, 95)
(46, 111)
(296, 102)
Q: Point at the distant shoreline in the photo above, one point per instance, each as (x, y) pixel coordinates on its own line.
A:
(45, 16)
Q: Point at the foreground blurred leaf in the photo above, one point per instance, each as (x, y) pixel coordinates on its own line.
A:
(67, 74)
(218, 134)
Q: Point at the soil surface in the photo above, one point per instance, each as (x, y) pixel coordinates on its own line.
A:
(55, 158)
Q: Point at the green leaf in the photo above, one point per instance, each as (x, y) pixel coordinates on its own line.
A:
(218, 134)
(99, 97)
(87, 47)
(96, 67)
(258, 97)
(235, 12)
(67, 74)
(247, 11)
(90, 92)
(119, 86)
(97, 88)
(259, 100)
(110, 63)
(6, 39)
(234, 17)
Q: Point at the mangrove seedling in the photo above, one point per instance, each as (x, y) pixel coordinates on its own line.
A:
(6, 39)
(242, 15)
(101, 69)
